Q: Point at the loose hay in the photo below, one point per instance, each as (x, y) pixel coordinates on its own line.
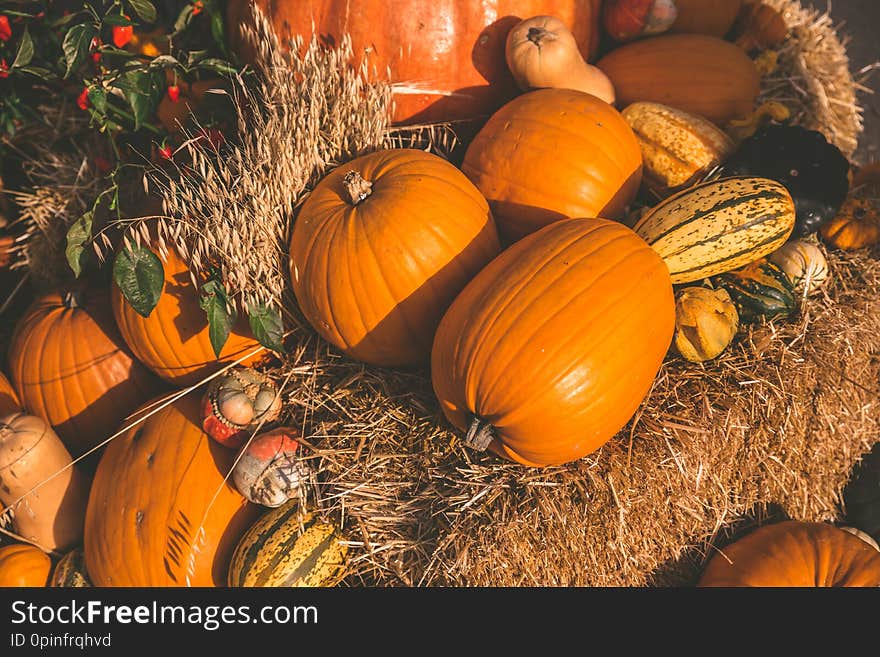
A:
(813, 78)
(779, 420)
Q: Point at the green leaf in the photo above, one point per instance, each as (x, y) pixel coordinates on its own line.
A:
(98, 99)
(136, 85)
(267, 327)
(217, 29)
(25, 51)
(164, 61)
(144, 9)
(39, 71)
(76, 45)
(116, 19)
(215, 303)
(139, 274)
(183, 19)
(217, 65)
(78, 235)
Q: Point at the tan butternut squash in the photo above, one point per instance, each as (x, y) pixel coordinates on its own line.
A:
(542, 53)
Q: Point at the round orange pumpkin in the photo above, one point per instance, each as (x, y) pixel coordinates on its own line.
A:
(446, 59)
(791, 553)
(554, 154)
(549, 351)
(381, 248)
(150, 496)
(24, 565)
(70, 366)
(699, 74)
(8, 398)
(174, 341)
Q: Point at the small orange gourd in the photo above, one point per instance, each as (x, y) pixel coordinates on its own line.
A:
(857, 225)
(541, 52)
(23, 565)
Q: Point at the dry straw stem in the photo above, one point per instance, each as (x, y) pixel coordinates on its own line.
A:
(813, 78)
(309, 112)
(62, 186)
(777, 422)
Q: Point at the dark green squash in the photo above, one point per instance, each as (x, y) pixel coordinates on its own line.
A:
(760, 290)
(812, 169)
(862, 495)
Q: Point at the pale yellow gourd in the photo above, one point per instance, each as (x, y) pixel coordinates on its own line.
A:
(705, 323)
(542, 53)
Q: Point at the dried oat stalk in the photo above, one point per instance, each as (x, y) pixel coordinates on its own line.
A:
(309, 111)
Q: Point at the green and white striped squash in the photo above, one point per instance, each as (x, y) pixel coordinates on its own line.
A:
(287, 549)
(718, 226)
(760, 290)
(70, 571)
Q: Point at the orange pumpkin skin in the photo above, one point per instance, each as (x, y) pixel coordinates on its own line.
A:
(173, 341)
(856, 226)
(554, 154)
(699, 74)
(446, 58)
(791, 553)
(24, 565)
(557, 341)
(374, 278)
(71, 367)
(712, 17)
(8, 398)
(149, 496)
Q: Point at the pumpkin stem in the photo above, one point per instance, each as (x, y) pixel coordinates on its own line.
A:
(358, 188)
(538, 34)
(72, 300)
(479, 435)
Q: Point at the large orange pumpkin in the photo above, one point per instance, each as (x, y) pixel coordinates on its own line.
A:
(699, 74)
(549, 351)
(791, 553)
(446, 58)
(8, 398)
(380, 249)
(174, 341)
(554, 154)
(71, 367)
(23, 565)
(149, 498)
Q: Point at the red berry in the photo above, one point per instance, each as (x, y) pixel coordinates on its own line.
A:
(165, 152)
(122, 34)
(82, 101)
(174, 93)
(198, 5)
(96, 57)
(5, 29)
(4, 69)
